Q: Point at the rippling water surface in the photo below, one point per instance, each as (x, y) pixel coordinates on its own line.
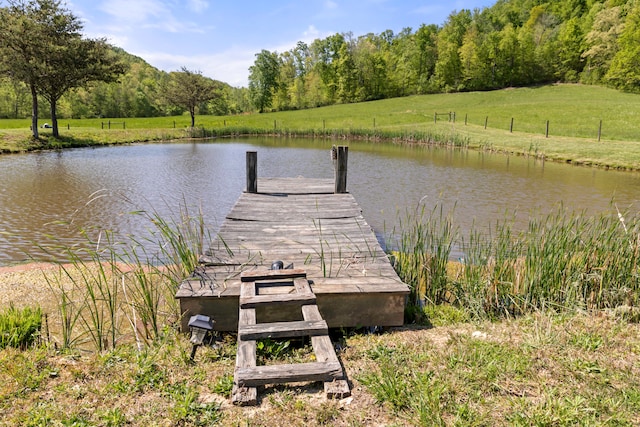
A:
(48, 197)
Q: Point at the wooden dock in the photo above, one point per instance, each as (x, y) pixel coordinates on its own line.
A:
(306, 224)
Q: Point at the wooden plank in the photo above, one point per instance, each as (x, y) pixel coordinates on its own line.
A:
(288, 373)
(283, 330)
(296, 185)
(277, 299)
(325, 352)
(337, 389)
(302, 286)
(322, 345)
(249, 276)
(246, 352)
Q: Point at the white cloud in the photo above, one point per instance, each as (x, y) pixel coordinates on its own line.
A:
(134, 11)
(311, 33)
(230, 66)
(198, 6)
(329, 4)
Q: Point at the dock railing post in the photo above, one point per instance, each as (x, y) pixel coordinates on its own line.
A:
(252, 171)
(341, 169)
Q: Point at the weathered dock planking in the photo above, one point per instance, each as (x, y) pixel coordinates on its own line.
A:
(305, 223)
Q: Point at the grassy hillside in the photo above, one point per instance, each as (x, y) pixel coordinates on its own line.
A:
(574, 114)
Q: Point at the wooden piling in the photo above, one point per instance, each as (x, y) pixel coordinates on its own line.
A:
(341, 169)
(252, 171)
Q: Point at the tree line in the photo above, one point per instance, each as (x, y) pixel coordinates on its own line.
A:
(512, 43)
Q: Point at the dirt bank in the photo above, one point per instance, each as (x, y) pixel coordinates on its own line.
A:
(25, 285)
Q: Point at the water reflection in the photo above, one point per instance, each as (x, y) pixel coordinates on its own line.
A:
(93, 189)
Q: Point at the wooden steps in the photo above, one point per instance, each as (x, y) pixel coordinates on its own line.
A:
(294, 289)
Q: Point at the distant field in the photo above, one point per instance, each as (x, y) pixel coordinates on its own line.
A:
(574, 114)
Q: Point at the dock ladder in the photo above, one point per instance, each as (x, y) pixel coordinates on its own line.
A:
(248, 376)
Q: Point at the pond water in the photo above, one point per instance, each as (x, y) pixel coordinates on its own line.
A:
(48, 197)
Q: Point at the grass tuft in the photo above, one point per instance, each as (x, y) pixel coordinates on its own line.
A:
(20, 328)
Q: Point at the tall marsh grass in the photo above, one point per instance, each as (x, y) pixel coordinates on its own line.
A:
(564, 260)
(109, 291)
(447, 139)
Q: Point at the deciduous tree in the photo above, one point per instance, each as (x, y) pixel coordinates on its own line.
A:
(188, 89)
(42, 46)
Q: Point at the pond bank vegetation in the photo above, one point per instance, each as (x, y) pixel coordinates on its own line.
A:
(536, 327)
(544, 122)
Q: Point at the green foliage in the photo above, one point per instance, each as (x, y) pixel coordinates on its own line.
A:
(19, 328)
(397, 383)
(189, 89)
(268, 349)
(41, 45)
(423, 249)
(188, 411)
(445, 314)
(563, 261)
(101, 284)
(263, 79)
(223, 386)
(113, 417)
(512, 43)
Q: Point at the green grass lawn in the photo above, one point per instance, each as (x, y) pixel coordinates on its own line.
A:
(574, 114)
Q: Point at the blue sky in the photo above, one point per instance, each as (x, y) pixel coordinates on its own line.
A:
(221, 38)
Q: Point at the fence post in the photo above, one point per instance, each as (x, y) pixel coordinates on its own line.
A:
(435, 118)
(252, 171)
(374, 122)
(109, 124)
(486, 120)
(275, 126)
(465, 118)
(341, 169)
(511, 127)
(546, 134)
(600, 130)
(124, 125)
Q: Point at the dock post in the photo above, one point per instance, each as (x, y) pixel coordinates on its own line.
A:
(252, 171)
(341, 169)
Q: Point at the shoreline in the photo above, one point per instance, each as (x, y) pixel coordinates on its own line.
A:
(504, 151)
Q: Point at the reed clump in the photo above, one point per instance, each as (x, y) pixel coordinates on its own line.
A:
(113, 291)
(562, 261)
(431, 137)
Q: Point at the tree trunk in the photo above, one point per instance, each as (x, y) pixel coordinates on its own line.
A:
(34, 112)
(192, 111)
(54, 119)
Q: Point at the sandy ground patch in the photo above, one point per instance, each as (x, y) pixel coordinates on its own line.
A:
(25, 285)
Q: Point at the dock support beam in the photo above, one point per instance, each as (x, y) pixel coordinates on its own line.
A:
(341, 169)
(252, 171)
